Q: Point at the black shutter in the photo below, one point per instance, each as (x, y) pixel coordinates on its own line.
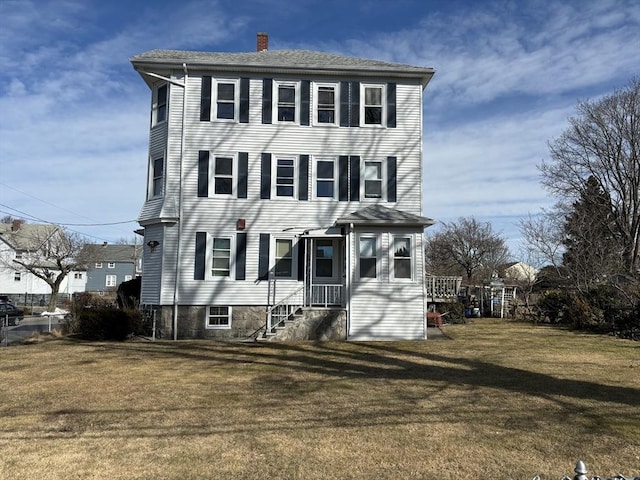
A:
(263, 257)
(241, 255)
(302, 241)
(391, 179)
(201, 252)
(305, 101)
(244, 100)
(265, 176)
(344, 104)
(203, 173)
(391, 105)
(343, 178)
(205, 99)
(355, 104)
(303, 178)
(267, 87)
(243, 172)
(354, 180)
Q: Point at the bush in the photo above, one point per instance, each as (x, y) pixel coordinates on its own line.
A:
(105, 323)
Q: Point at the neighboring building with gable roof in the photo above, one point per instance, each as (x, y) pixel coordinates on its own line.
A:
(111, 265)
(284, 195)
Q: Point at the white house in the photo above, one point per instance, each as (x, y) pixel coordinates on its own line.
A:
(284, 194)
(23, 241)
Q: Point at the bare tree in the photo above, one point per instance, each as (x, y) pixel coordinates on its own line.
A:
(602, 146)
(465, 247)
(52, 254)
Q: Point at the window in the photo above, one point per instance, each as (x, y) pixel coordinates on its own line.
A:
(286, 99)
(17, 276)
(285, 177)
(77, 276)
(372, 179)
(284, 258)
(226, 100)
(372, 106)
(111, 265)
(402, 258)
(110, 281)
(221, 257)
(324, 254)
(157, 177)
(223, 175)
(219, 317)
(159, 109)
(99, 265)
(325, 108)
(326, 178)
(367, 257)
(127, 278)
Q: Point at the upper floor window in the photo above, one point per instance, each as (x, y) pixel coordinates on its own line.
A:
(223, 175)
(285, 183)
(17, 276)
(77, 276)
(372, 106)
(111, 265)
(286, 100)
(325, 175)
(157, 178)
(372, 179)
(226, 99)
(325, 104)
(402, 258)
(159, 109)
(99, 265)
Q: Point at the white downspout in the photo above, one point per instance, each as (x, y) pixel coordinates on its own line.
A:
(348, 277)
(178, 249)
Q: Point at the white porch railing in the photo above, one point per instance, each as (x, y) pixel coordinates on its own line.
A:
(326, 295)
(443, 288)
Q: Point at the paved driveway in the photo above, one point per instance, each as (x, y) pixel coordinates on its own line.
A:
(27, 327)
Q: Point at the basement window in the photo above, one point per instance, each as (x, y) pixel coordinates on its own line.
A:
(218, 317)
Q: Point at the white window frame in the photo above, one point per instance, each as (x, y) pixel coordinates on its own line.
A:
(208, 315)
(77, 276)
(236, 99)
(274, 177)
(336, 103)
(276, 100)
(363, 182)
(316, 179)
(111, 265)
(212, 175)
(294, 257)
(383, 105)
(98, 264)
(156, 181)
(110, 280)
(128, 278)
(17, 276)
(377, 256)
(156, 106)
(210, 256)
(411, 258)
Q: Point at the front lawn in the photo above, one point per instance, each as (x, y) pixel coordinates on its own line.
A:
(495, 400)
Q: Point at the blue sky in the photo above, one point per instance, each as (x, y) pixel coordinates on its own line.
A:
(74, 114)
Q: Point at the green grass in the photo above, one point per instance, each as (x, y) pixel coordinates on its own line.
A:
(496, 400)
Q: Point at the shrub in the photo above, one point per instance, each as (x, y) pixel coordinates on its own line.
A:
(106, 323)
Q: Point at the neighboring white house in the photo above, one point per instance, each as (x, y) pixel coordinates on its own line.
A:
(284, 183)
(518, 271)
(20, 241)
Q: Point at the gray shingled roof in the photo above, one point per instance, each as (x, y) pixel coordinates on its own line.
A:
(111, 253)
(25, 236)
(277, 59)
(380, 215)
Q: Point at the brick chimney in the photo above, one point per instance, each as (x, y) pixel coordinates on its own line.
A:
(263, 41)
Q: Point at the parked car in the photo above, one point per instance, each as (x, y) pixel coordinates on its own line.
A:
(11, 312)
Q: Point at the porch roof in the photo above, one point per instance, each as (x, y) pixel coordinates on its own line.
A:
(381, 215)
